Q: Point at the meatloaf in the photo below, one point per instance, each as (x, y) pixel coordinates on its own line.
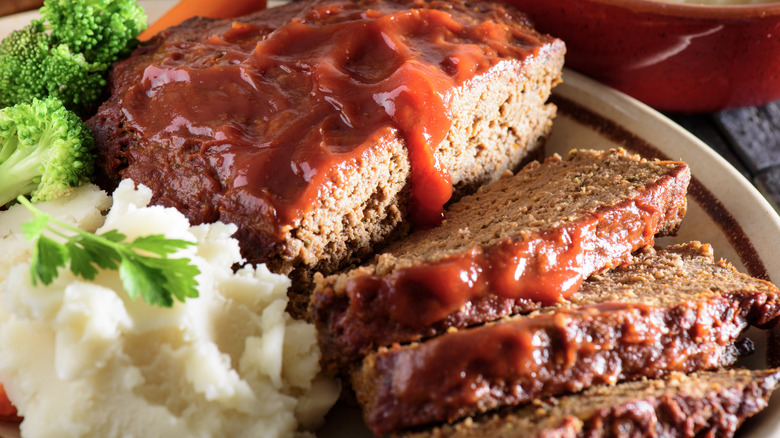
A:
(672, 310)
(712, 404)
(527, 240)
(323, 127)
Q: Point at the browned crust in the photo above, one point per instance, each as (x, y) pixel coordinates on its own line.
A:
(503, 118)
(349, 328)
(566, 349)
(702, 404)
(707, 200)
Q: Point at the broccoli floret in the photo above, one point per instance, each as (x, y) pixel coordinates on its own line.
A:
(32, 66)
(69, 52)
(45, 151)
(23, 54)
(70, 78)
(102, 30)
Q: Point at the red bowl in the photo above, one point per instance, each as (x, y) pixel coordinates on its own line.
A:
(674, 57)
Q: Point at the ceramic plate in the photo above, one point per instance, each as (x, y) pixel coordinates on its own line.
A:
(725, 210)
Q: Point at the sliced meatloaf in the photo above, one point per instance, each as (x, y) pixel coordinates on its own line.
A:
(323, 127)
(522, 242)
(674, 310)
(710, 404)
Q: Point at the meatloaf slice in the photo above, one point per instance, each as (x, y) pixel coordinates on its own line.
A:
(519, 243)
(322, 127)
(686, 406)
(671, 310)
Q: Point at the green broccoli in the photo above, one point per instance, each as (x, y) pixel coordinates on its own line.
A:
(22, 55)
(32, 66)
(102, 30)
(45, 150)
(69, 52)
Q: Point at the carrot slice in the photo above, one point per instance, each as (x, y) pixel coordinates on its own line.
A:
(202, 8)
(7, 409)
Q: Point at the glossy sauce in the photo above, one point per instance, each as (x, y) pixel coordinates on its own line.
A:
(544, 267)
(516, 361)
(492, 354)
(279, 113)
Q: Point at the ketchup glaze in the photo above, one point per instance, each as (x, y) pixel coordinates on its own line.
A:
(280, 111)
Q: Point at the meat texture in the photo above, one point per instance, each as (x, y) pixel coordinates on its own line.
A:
(323, 128)
(524, 241)
(674, 310)
(683, 406)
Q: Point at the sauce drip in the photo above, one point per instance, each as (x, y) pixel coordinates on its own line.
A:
(546, 268)
(280, 112)
(562, 351)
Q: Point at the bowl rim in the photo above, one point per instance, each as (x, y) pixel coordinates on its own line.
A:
(668, 7)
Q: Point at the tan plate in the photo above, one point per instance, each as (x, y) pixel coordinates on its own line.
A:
(725, 210)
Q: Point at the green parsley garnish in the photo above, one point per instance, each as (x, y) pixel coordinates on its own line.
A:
(143, 264)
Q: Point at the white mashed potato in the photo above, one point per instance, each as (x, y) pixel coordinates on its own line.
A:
(82, 359)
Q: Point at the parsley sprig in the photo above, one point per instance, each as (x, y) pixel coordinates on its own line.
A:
(143, 264)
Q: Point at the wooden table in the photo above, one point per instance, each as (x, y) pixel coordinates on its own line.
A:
(8, 7)
(749, 138)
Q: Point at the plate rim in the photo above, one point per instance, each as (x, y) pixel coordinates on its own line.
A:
(625, 110)
(710, 171)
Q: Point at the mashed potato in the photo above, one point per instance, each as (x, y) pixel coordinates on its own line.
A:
(83, 359)
(82, 208)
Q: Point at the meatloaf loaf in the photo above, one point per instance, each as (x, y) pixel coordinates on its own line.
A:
(712, 404)
(323, 127)
(522, 242)
(672, 310)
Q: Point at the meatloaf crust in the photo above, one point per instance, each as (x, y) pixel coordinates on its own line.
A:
(674, 310)
(517, 244)
(711, 404)
(212, 116)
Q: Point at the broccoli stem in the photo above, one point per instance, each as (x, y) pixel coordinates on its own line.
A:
(21, 175)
